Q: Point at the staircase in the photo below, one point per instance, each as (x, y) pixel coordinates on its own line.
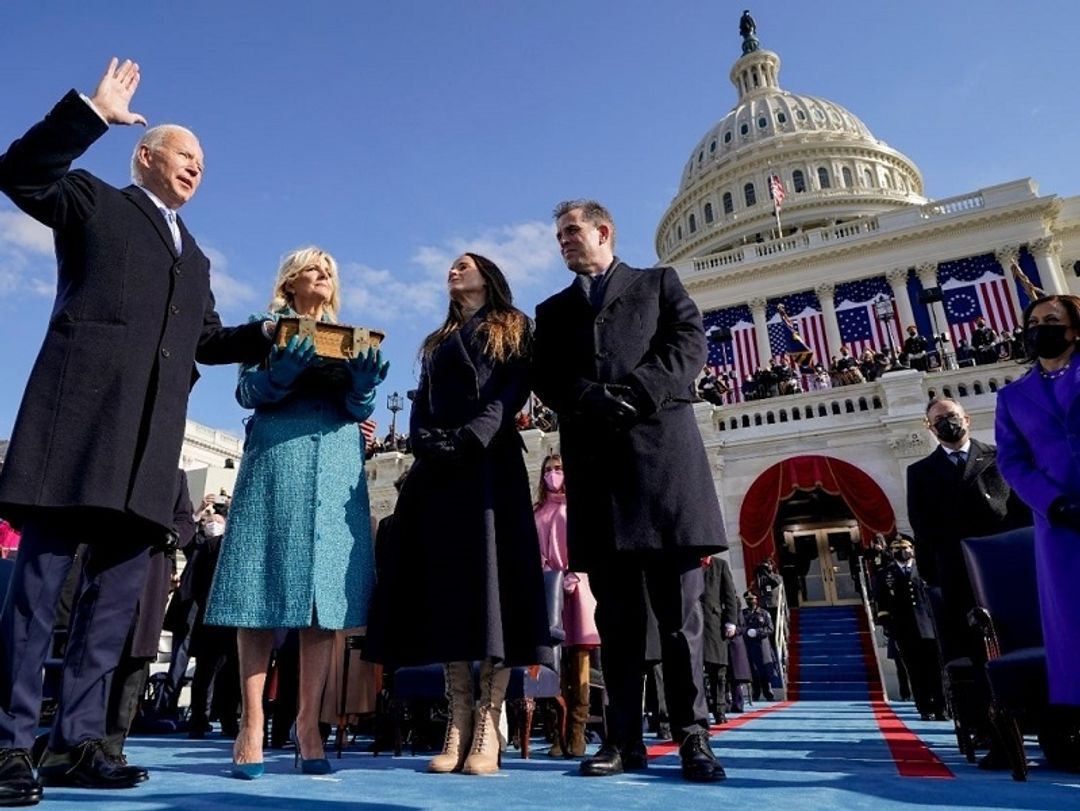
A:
(832, 656)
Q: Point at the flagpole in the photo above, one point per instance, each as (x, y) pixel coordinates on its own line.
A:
(779, 229)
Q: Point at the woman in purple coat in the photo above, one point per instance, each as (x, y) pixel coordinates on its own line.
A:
(1038, 441)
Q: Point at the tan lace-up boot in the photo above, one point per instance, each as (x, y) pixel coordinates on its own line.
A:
(577, 699)
(486, 744)
(459, 726)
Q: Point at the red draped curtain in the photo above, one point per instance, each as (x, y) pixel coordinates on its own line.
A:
(860, 493)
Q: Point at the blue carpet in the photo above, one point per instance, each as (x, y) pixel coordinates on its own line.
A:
(828, 646)
(803, 757)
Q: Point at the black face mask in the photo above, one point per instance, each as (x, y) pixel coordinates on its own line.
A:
(903, 555)
(950, 428)
(1046, 340)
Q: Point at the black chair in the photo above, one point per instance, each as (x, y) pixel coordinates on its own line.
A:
(1002, 572)
(529, 685)
(963, 685)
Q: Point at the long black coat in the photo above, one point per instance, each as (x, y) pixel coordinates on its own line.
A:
(903, 604)
(720, 602)
(150, 611)
(102, 418)
(946, 505)
(462, 579)
(649, 487)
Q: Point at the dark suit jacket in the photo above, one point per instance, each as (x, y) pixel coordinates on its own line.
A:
(720, 604)
(648, 487)
(903, 604)
(102, 418)
(946, 505)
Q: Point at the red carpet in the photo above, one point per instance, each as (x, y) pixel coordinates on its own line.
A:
(661, 749)
(913, 758)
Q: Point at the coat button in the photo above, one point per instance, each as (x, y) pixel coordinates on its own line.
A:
(174, 309)
(600, 319)
(601, 355)
(176, 271)
(164, 353)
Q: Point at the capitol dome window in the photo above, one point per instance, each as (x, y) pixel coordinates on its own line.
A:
(869, 178)
(701, 156)
(744, 129)
(818, 115)
(678, 232)
(729, 204)
(692, 222)
(708, 212)
(762, 122)
(846, 174)
(781, 117)
(798, 181)
(750, 194)
(799, 114)
(727, 137)
(823, 178)
(712, 147)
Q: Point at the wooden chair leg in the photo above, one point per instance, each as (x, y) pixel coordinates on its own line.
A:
(526, 725)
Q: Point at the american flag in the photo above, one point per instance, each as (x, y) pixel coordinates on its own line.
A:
(859, 326)
(739, 356)
(973, 287)
(776, 190)
(805, 311)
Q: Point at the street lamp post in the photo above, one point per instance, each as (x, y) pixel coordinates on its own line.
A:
(885, 312)
(394, 405)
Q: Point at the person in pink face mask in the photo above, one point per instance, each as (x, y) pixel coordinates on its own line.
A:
(579, 605)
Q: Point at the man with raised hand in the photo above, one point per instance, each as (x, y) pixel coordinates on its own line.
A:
(94, 451)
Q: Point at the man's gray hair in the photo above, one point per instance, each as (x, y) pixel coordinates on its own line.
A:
(152, 139)
(591, 210)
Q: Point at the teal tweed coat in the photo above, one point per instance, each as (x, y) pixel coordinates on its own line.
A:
(297, 550)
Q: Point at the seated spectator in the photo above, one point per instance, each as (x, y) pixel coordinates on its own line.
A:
(708, 388)
(868, 365)
(847, 370)
(821, 379)
(965, 355)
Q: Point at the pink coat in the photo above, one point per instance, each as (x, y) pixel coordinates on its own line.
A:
(9, 539)
(579, 607)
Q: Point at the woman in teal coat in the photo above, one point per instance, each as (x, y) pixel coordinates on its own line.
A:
(297, 552)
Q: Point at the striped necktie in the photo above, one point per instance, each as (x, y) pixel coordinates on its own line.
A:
(174, 227)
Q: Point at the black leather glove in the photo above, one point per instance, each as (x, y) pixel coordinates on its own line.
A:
(609, 403)
(1065, 512)
(445, 444)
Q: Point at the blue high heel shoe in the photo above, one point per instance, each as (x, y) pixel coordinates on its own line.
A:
(318, 765)
(248, 771)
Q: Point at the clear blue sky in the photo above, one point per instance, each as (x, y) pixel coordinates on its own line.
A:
(396, 135)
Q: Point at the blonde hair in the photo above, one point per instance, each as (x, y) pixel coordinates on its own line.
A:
(292, 265)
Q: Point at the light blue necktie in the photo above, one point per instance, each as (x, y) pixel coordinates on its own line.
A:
(174, 228)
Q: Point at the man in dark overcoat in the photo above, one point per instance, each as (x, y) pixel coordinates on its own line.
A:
(758, 630)
(96, 442)
(904, 612)
(956, 492)
(720, 604)
(616, 356)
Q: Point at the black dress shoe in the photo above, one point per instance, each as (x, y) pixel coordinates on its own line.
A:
(88, 766)
(699, 764)
(994, 761)
(18, 785)
(606, 762)
(634, 757)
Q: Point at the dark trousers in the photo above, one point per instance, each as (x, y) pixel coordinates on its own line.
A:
(113, 579)
(716, 684)
(169, 697)
(675, 583)
(921, 660)
(128, 683)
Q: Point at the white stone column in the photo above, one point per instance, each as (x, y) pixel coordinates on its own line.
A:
(761, 330)
(897, 279)
(1007, 256)
(1046, 252)
(825, 292)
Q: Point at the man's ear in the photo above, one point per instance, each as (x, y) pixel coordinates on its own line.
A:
(605, 232)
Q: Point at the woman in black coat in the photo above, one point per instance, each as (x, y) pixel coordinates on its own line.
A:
(463, 580)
